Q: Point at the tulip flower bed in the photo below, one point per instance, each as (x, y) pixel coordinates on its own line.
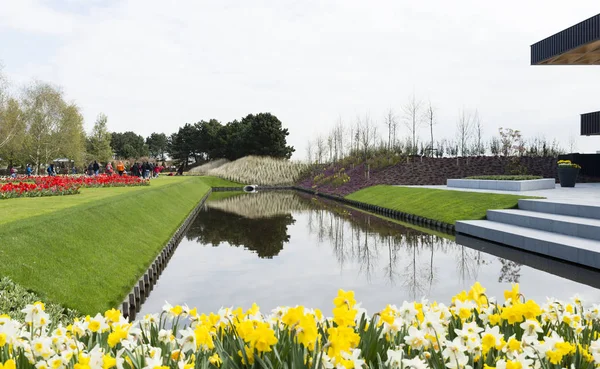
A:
(39, 186)
(472, 332)
(94, 181)
(12, 189)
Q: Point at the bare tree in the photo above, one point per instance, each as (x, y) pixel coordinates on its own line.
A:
(320, 143)
(330, 146)
(572, 144)
(464, 131)
(430, 115)
(391, 122)
(368, 135)
(309, 151)
(479, 145)
(413, 119)
(339, 138)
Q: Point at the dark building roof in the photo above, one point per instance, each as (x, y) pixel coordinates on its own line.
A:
(590, 124)
(576, 45)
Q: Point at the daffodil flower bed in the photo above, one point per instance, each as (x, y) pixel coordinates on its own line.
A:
(473, 331)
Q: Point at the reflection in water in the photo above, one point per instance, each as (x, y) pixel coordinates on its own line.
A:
(259, 222)
(302, 249)
(264, 236)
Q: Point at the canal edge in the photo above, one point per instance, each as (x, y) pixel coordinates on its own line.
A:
(387, 212)
(142, 288)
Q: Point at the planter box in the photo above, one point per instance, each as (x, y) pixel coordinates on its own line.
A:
(484, 184)
(567, 176)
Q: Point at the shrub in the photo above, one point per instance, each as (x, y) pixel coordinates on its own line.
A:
(13, 297)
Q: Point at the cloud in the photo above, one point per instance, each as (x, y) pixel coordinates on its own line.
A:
(155, 65)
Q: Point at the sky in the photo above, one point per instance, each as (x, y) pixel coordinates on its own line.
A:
(154, 65)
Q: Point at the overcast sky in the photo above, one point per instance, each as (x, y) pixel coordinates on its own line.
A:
(153, 65)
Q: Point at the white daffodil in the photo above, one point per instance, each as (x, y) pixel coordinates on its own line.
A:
(531, 327)
(354, 357)
(416, 339)
(407, 311)
(491, 337)
(595, 350)
(454, 354)
(187, 340)
(394, 360)
(414, 363)
(98, 324)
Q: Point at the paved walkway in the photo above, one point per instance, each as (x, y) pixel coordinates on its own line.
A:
(584, 193)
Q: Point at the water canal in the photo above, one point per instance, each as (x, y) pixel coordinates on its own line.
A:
(287, 248)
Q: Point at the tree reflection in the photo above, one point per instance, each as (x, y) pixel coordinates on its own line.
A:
(265, 236)
(375, 246)
(510, 271)
(373, 240)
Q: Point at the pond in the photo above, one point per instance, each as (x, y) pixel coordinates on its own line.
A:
(287, 248)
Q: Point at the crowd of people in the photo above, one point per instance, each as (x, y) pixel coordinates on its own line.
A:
(144, 170)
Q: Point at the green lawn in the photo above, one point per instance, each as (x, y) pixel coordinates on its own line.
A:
(219, 182)
(443, 205)
(86, 251)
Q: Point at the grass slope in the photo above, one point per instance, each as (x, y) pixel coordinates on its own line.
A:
(26, 207)
(219, 182)
(443, 205)
(87, 252)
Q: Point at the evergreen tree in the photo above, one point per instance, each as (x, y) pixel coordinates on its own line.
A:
(98, 143)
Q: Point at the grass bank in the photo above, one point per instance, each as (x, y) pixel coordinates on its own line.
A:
(444, 205)
(86, 251)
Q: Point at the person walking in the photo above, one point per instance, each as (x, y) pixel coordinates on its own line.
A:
(135, 169)
(96, 168)
(109, 169)
(120, 168)
(13, 172)
(28, 170)
(146, 170)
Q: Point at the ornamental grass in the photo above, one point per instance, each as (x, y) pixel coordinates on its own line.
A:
(473, 331)
(258, 170)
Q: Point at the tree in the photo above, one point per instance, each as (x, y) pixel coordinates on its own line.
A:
(431, 121)
(72, 137)
(479, 148)
(98, 143)
(12, 131)
(391, 123)
(157, 145)
(309, 151)
(368, 135)
(128, 145)
(182, 144)
(47, 130)
(464, 131)
(413, 120)
(264, 135)
(9, 113)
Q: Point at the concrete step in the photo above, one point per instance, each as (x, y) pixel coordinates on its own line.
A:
(563, 224)
(585, 208)
(588, 276)
(568, 248)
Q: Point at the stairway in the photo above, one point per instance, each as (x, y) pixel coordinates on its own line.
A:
(567, 231)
